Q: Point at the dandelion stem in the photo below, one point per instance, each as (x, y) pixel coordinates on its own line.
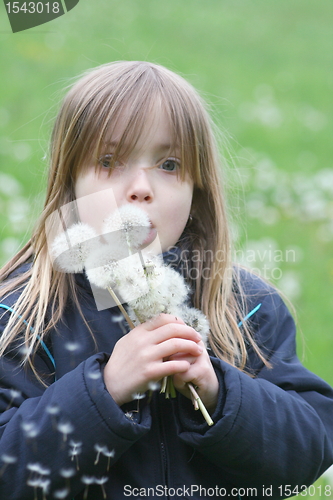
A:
(123, 310)
(200, 404)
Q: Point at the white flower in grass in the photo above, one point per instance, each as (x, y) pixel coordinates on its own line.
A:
(128, 226)
(71, 248)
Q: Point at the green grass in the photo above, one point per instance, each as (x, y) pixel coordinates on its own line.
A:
(266, 69)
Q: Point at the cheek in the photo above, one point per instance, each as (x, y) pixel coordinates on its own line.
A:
(95, 201)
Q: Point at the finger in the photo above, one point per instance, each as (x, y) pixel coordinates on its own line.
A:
(174, 330)
(161, 320)
(172, 367)
(177, 345)
(184, 357)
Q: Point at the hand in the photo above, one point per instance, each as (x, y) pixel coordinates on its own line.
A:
(202, 375)
(145, 355)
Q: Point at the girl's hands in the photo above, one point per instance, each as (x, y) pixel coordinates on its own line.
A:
(160, 347)
(202, 375)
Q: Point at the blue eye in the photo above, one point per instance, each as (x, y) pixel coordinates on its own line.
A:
(107, 161)
(170, 165)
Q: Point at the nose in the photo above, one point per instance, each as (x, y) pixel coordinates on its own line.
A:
(140, 188)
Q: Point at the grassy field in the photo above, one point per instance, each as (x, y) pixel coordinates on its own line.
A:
(266, 69)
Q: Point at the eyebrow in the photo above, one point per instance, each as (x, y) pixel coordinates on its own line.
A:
(159, 147)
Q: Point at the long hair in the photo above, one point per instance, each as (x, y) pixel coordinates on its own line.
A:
(84, 124)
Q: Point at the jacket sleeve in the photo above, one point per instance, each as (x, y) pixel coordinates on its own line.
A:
(52, 437)
(275, 428)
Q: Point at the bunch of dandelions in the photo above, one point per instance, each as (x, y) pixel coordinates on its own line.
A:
(148, 286)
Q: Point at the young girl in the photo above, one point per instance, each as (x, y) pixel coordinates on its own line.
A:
(71, 423)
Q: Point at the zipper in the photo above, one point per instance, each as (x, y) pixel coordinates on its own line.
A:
(163, 450)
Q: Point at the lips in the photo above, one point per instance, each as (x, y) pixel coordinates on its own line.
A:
(151, 235)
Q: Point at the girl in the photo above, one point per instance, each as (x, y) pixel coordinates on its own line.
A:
(71, 426)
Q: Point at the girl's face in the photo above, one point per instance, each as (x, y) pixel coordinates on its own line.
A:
(148, 178)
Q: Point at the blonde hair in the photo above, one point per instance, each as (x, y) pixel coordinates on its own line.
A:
(86, 119)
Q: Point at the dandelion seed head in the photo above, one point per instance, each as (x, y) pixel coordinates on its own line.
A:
(196, 319)
(129, 225)
(130, 279)
(71, 248)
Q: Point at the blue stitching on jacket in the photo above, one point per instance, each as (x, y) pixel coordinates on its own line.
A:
(46, 349)
(250, 314)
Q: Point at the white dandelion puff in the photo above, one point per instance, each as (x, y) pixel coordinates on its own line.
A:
(71, 248)
(128, 227)
(100, 267)
(195, 318)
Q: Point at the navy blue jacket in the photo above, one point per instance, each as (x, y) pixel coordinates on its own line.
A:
(71, 440)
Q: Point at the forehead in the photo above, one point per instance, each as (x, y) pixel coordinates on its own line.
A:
(131, 132)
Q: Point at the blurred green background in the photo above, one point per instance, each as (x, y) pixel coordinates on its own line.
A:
(265, 68)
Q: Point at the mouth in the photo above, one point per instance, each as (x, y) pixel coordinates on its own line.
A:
(151, 235)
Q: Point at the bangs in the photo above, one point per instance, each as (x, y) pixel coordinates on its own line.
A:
(131, 102)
